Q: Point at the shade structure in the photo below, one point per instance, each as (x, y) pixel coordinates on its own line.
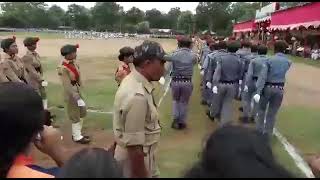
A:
(246, 26)
(300, 16)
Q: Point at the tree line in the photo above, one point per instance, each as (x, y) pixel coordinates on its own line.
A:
(110, 16)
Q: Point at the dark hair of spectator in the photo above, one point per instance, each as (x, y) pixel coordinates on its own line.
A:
(262, 50)
(213, 46)
(280, 46)
(91, 163)
(184, 44)
(237, 152)
(222, 45)
(254, 48)
(22, 118)
(246, 44)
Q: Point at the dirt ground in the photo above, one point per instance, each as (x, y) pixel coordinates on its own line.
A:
(98, 60)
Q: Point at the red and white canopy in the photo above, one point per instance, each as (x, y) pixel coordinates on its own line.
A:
(306, 16)
(246, 26)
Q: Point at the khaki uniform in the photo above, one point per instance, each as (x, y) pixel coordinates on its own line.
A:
(136, 121)
(72, 92)
(14, 70)
(33, 66)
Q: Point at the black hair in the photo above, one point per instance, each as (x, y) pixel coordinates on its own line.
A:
(184, 44)
(213, 46)
(237, 152)
(246, 44)
(262, 49)
(222, 45)
(22, 118)
(254, 48)
(280, 46)
(91, 163)
(233, 47)
(122, 56)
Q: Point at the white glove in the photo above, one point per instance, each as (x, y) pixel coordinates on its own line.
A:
(81, 103)
(246, 89)
(240, 82)
(199, 66)
(209, 85)
(162, 81)
(202, 73)
(215, 89)
(256, 98)
(44, 83)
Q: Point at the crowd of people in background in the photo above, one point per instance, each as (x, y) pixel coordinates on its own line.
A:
(231, 151)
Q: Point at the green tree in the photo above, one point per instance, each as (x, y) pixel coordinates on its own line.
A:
(185, 22)
(106, 15)
(155, 18)
(134, 15)
(143, 27)
(79, 16)
(57, 16)
(173, 16)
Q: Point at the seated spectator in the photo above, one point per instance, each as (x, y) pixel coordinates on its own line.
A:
(315, 52)
(21, 125)
(91, 163)
(237, 152)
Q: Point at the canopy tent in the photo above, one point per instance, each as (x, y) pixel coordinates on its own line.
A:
(295, 17)
(208, 32)
(245, 26)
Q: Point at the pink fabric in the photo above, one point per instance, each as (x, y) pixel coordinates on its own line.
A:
(244, 26)
(307, 15)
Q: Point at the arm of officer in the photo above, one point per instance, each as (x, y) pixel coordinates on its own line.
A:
(27, 61)
(135, 135)
(8, 72)
(262, 78)
(3, 78)
(249, 73)
(66, 81)
(217, 73)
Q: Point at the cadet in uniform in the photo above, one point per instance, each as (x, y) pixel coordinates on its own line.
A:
(71, 80)
(255, 66)
(3, 78)
(13, 68)
(34, 68)
(221, 50)
(225, 79)
(126, 58)
(183, 60)
(136, 123)
(270, 86)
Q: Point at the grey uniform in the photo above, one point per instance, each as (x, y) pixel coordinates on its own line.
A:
(204, 53)
(270, 86)
(253, 73)
(209, 66)
(183, 61)
(226, 77)
(245, 57)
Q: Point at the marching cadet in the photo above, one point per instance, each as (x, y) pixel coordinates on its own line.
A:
(208, 65)
(34, 68)
(126, 63)
(3, 78)
(255, 66)
(71, 80)
(205, 51)
(136, 123)
(225, 80)
(221, 50)
(183, 60)
(13, 68)
(270, 87)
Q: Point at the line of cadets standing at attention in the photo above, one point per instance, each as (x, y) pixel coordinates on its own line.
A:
(243, 71)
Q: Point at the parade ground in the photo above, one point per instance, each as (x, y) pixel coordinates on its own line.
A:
(297, 120)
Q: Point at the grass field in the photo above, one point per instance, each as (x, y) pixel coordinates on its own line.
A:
(297, 119)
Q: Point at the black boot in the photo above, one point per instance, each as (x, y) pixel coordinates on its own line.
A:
(241, 109)
(182, 126)
(82, 141)
(244, 120)
(252, 120)
(203, 102)
(175, 125)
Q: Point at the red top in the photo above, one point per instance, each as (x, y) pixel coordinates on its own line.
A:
(73, 69)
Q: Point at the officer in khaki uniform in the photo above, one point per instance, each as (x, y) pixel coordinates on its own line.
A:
(34, 68)
(3, 78)
(136, 123)
(13, 68)
(71, 80)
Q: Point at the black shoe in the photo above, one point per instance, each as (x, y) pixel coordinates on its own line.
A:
(252, 120)
(82, 141)
(88, 137)
(175, 125)
(182, 126)
(244, 120)
(209, 116)
(241, 109)
(203, 102)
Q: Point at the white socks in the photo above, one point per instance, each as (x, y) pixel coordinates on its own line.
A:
(45, 104)
(76, 131)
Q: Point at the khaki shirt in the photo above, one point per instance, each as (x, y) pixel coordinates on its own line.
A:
(72, 92)
(3, 78)
(13, 69)
(136, 119)
(33, 66)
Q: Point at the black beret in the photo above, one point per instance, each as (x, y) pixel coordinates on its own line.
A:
(6, 43)
(67, 49)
